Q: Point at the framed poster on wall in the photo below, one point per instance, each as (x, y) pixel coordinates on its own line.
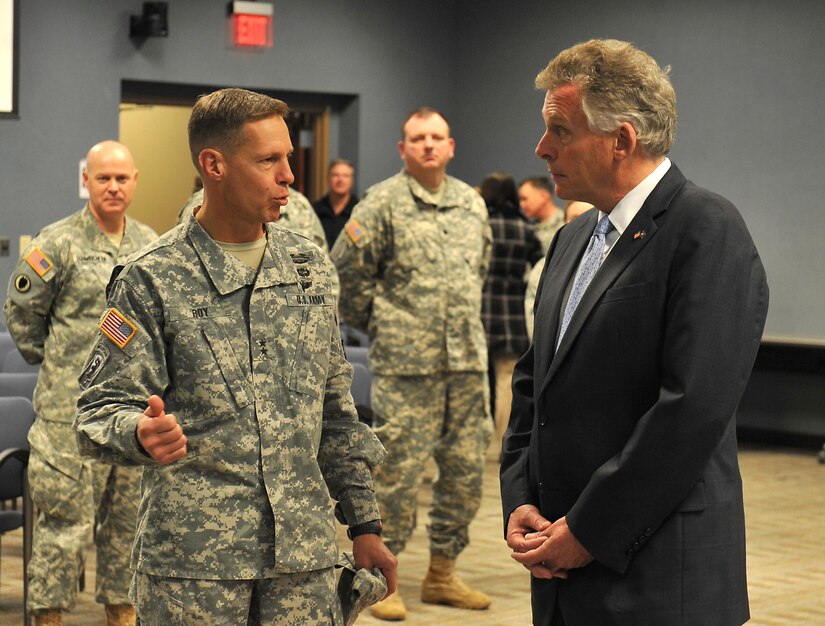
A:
(8, 58)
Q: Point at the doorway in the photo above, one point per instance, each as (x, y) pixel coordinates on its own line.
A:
(153, 123)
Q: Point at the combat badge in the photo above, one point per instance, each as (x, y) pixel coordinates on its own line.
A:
(304, 272)
(93, 366)
(117, 328)
(22, 283)
(39, 261)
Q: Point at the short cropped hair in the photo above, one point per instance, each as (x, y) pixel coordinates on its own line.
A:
(539, 182)
(422, 112)
(218, 118)
(618, 83)
(335, 162)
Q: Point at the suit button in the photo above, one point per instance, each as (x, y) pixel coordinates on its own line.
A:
(648, 532)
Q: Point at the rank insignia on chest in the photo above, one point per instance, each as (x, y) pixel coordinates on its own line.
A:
(39, 262)
(117, 328)
(354, 230)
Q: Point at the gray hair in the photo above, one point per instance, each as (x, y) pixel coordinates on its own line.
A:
(618, 83)
(218, 118)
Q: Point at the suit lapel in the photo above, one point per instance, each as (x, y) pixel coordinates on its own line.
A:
(560, 270)
(636, 236)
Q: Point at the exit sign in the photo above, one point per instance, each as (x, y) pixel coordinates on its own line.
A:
(251, 24)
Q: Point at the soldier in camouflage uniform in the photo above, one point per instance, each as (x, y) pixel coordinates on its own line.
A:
(536, 203)
(226, 327)
(412, 261)
(54, 301)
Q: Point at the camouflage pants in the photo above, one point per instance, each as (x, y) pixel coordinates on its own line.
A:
(304, 599)
(446, 417)
(66, 509)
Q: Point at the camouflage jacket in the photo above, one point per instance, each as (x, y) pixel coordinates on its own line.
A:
(298, 216)
(52, 311)
(546, 230)
(252, 365)
(411, 274)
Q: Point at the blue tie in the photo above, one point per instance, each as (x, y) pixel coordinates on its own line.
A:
(593, 257)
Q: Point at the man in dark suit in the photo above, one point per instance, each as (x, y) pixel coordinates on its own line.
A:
(620, 482)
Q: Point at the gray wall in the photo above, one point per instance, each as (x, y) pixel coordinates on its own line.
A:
(74, 54)
(750, 85)
(748, 75)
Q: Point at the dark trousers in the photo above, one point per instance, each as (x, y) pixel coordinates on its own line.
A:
(543, 597)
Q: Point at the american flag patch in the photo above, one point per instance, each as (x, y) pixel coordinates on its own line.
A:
(354, 230)
(38, 261)
(117, 328)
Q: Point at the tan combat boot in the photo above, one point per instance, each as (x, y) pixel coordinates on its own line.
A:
(49, 617)
(120, 615)
(391, 609)
(443, 586)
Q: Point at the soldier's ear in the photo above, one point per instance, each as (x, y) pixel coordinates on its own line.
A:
(212, 164)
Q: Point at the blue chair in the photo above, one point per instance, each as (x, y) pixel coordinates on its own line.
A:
(16, 417)
(14, 362)
(361, 383)
(18, 384)
(351, 336)
(6, 345)
(357, 354)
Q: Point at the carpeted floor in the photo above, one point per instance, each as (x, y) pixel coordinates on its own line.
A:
(785, 508)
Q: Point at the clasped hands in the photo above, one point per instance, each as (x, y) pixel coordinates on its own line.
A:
(547, 549)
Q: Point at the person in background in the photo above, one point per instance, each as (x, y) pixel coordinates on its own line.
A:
(572, 209)
(412, 261)
(53, 308)
(220, 370)
(620, 482)
(515, 250)
(536, 202)
(335, 208)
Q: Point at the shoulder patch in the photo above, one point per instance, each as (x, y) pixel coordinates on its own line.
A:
(22, 283)
(117, 328)
(354, 230)
(93, 366)
(39, 262)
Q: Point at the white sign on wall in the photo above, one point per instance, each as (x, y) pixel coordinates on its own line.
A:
(8, 98)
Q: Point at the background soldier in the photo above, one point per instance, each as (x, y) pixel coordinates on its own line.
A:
(53, 306)
(412, 262)
(229, 323)
(536, 201)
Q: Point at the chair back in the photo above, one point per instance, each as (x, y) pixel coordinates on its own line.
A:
(357, 354)
(16, 417)
(6, 345)
(18, 384)
(13, 361)
(361, 383)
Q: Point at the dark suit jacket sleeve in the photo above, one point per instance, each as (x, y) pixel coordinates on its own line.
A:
(517, 486)
(714, 306)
